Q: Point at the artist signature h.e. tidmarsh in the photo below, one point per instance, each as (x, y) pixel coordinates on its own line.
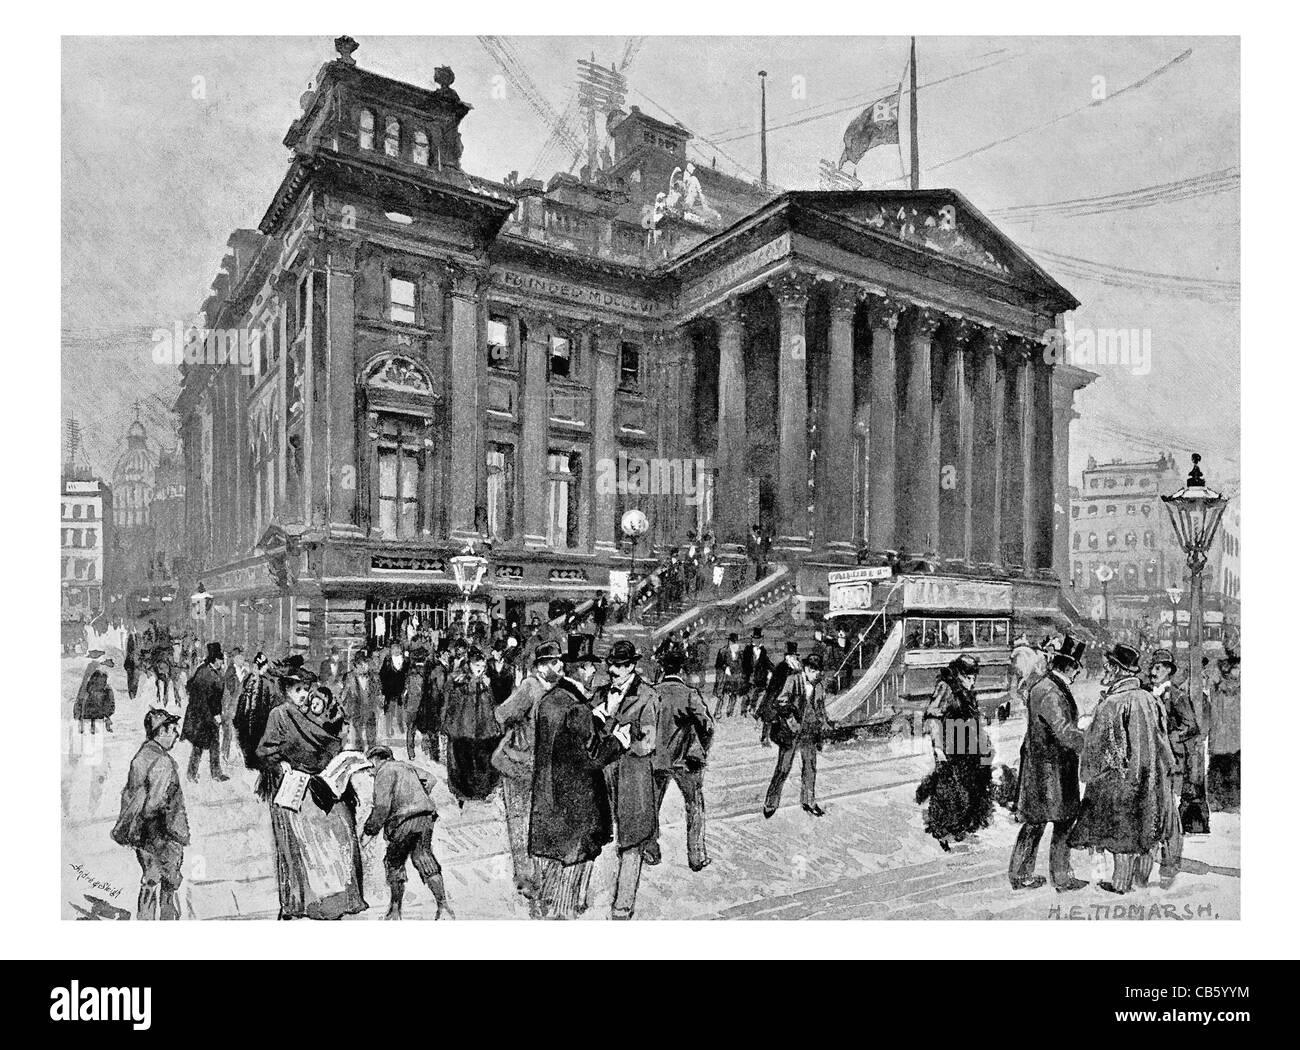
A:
(1133, 912)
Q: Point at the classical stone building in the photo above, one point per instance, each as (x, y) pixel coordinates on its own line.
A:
(443, 360)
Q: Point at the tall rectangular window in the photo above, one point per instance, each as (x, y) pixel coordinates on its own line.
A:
(498, 340)
(564, 499)
(500, 491)
(401, 300)
(398, 477)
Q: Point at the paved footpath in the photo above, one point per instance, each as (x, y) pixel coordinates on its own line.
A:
(869, 857)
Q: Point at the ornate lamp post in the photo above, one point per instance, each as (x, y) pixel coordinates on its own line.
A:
(1105, 574)
(634, 525)
(469, 569)
(1195, 511)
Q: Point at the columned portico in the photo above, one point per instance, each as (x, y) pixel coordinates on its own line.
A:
(956, 447)
(986, 470)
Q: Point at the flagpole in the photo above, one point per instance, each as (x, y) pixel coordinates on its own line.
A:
(762, 87)
(916, 145)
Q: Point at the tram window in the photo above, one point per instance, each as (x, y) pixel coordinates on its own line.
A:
(913, 634)
(1001, 633)
(967, 633)
(951, 634)
(983, 632)
(929, 634)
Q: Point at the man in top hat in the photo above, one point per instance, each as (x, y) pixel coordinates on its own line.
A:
(571, 819)
(681, 750)
(798, 721)
(362, 699)
(729, 675)
(1048, 791)
(756, 666)
(626, 710)
(1223, 781)
(1184, 733)
(152, 818)
(513, 757)
(765, 708)
(1127, 766)
(206, 690)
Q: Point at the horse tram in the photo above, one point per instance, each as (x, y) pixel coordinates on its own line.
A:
(902, 630)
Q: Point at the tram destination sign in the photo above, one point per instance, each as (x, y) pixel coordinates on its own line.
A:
(937, 592)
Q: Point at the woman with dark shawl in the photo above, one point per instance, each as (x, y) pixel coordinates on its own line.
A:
(959, 791)
(473, 732)
(317, 855)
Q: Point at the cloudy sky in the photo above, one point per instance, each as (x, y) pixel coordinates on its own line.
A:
(170, 143)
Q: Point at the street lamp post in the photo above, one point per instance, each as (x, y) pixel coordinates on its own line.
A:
(1105, 574)
(634, 525)
(469, 569)
(1195, 511)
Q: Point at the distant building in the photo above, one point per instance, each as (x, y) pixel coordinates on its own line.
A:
(1118, 521)
(86, 534)
(133, 487)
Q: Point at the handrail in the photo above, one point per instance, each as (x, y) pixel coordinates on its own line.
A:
(738, 599)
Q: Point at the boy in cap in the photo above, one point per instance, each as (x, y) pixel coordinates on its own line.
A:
(405, 813)
(152, 818)
(1184, 733)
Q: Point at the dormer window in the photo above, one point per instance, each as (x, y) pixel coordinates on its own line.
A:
(392, 137)
(420, 152)
(366, 130)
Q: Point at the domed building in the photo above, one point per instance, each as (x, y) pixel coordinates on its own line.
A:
(133, 480)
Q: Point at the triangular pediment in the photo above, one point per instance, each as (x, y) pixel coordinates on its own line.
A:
(939, 221)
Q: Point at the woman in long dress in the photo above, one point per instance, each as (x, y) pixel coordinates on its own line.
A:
(470, 722)
(317, 855)
(959, 792)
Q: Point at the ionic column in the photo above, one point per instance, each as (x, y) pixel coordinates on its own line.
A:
(791, 293)
(1013, 456)
(730, 496)
(920, 493)
(956, 446)
(986, 466)
(835, 464)
(466, 423)
(534, 404)
(882, 518)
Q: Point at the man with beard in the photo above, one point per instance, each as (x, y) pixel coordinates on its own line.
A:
(571, 820)
(1126, 765)
(627, 711)
(1049, 774)
(513, 757)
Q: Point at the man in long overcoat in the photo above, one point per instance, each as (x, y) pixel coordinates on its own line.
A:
(207, 690)
(571, 820)
(1049, 774)
(1126, 765)
(729, 675)
(627, 710)
(681, 750)
(1184, 734)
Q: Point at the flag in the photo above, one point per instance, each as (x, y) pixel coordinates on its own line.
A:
(877, 125)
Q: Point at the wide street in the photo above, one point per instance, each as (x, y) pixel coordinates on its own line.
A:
(869, 857)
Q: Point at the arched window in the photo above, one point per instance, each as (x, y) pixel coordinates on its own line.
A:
(1111, 539)
(420, 151)
(1148, 539)
(392, 137)
(1092, 541)
(1130, 575)
(366, 130)
(1130, 539)
(1151, 573)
